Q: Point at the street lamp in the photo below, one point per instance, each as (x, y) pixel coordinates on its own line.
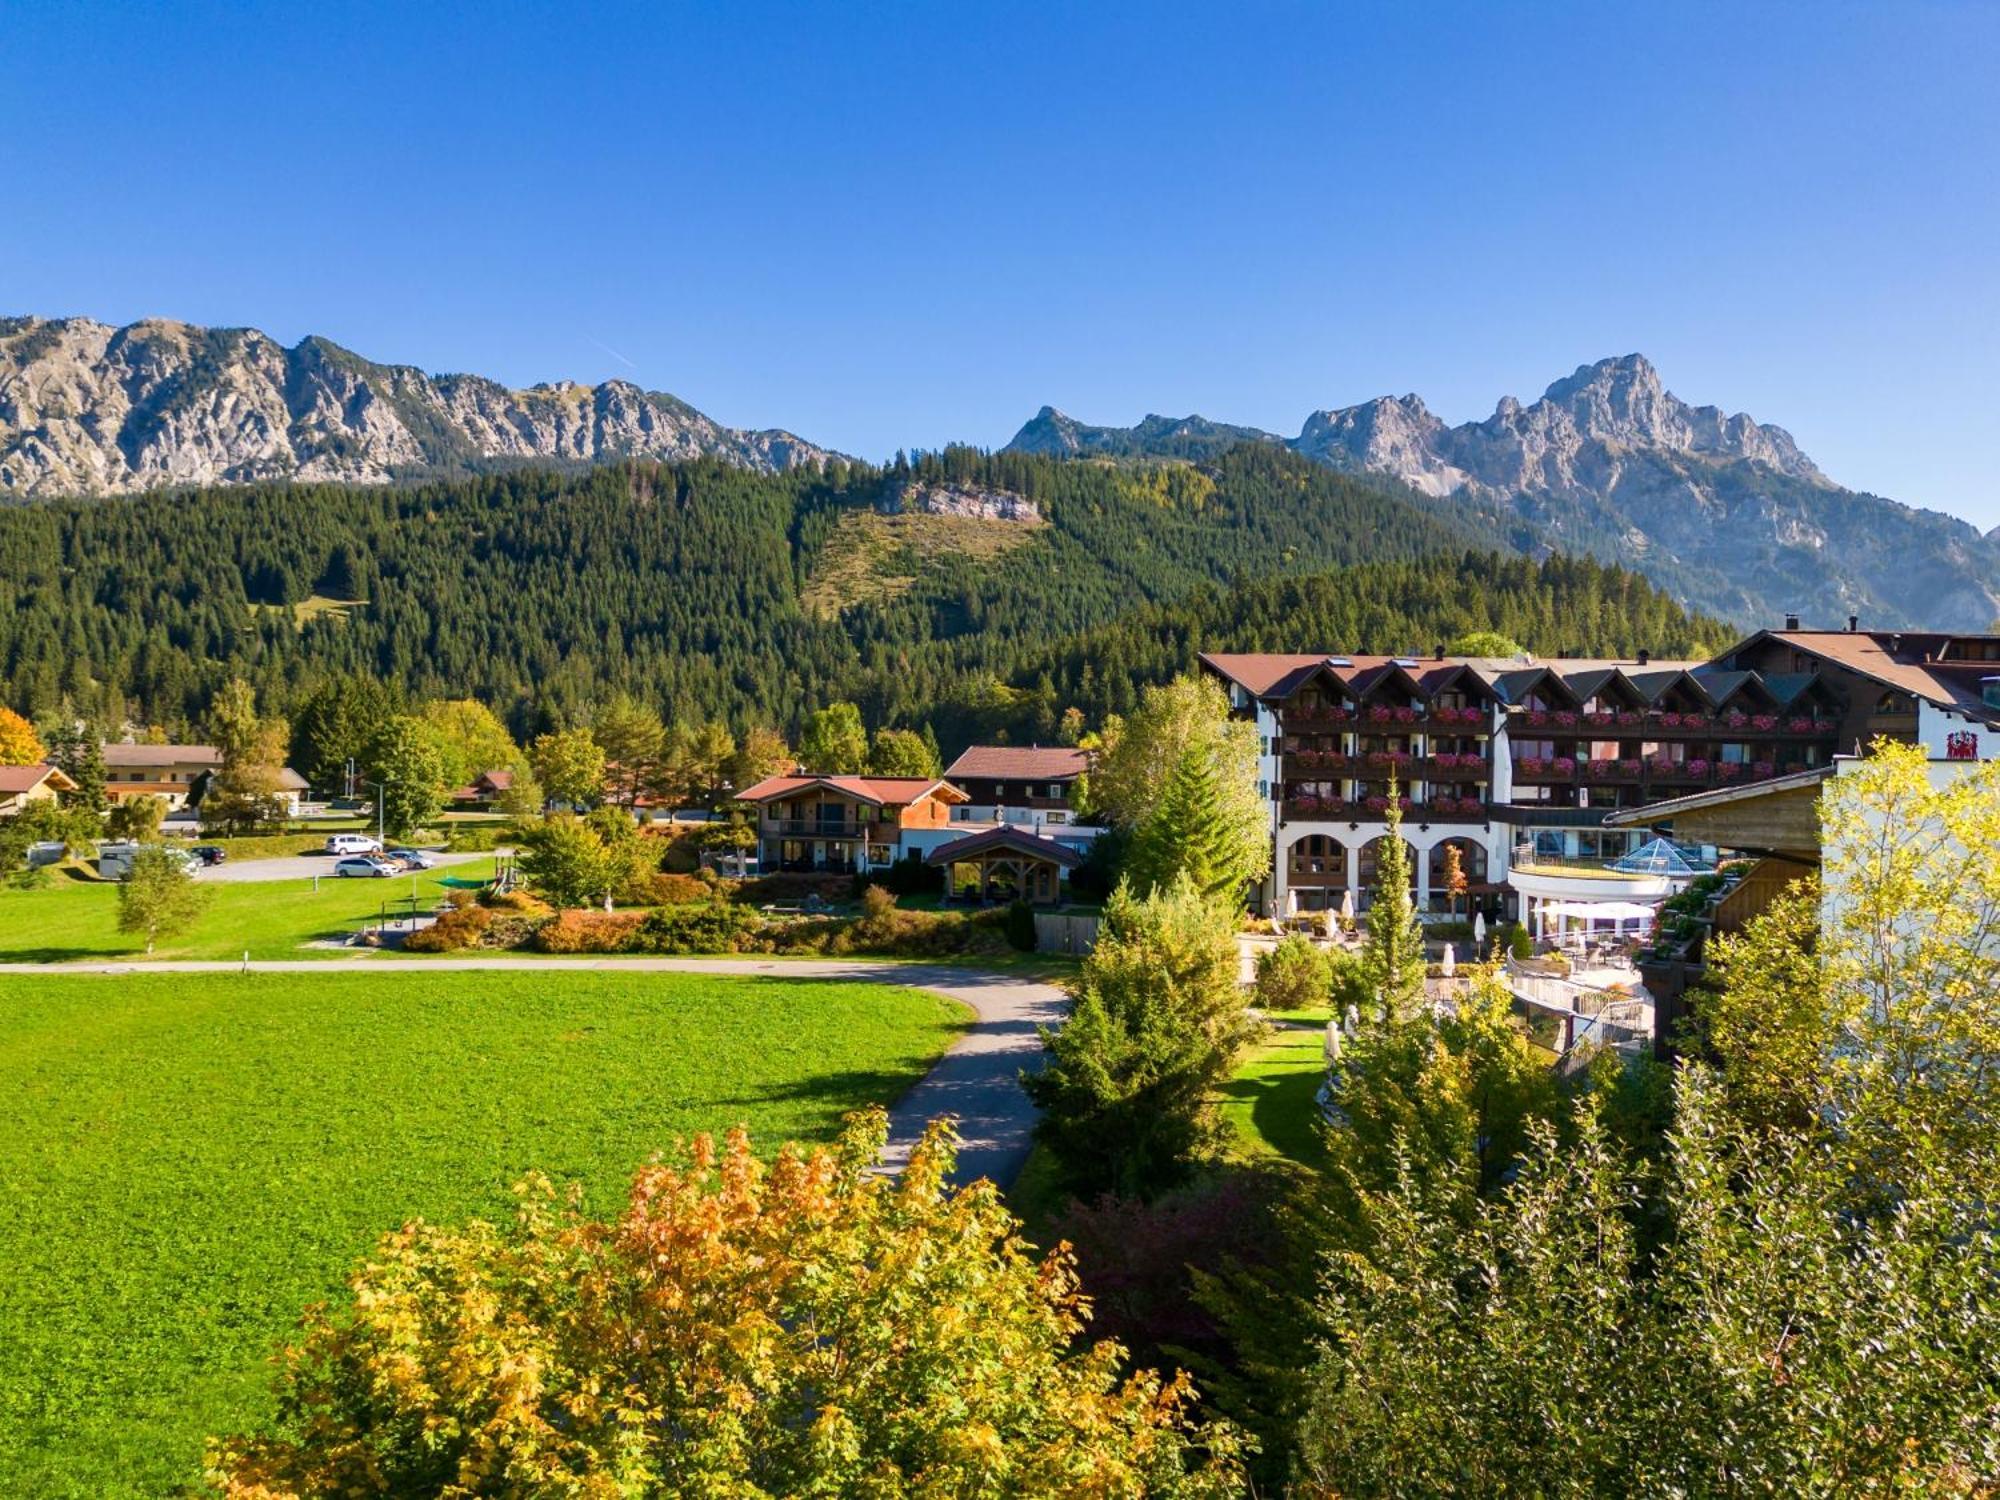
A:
(381, 790)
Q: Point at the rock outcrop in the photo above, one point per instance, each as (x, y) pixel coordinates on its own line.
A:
(88, 409)
(1723, 511)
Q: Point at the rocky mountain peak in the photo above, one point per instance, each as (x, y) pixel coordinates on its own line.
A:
(89, 409)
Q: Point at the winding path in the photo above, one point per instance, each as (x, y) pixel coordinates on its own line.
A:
(977, 1079)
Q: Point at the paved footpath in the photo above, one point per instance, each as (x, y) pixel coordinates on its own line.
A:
(978, 1079)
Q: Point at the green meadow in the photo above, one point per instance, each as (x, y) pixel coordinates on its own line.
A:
(188, 1160)
(78, 919)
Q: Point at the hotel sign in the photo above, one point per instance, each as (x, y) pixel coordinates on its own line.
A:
(1963, 745)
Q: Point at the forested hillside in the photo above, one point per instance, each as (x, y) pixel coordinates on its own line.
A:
(545, 593)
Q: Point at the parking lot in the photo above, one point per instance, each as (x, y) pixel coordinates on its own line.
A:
(299, 867)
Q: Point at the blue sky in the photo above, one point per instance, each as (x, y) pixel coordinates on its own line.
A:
(903, 225)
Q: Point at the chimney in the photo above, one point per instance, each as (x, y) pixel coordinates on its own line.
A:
(1644, 656)
(1791, 622)
(1440, 650)
(1853, 622)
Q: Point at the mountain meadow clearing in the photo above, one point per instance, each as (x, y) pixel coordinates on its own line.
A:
(188, 1160)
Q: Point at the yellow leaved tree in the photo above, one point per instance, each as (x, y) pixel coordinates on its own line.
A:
(806, 1327)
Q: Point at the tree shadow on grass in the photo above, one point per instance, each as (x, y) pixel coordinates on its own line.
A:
(69, 955)
(852, 1087)
(1284, 1108)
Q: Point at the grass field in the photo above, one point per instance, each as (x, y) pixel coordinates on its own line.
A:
(1270, 1102)
(187, 1160)
(72, 919)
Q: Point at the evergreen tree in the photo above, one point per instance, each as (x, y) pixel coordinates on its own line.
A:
(1157, 1024)
(1188, 835)
(1393, 956)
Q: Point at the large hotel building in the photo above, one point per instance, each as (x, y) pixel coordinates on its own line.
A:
(1517, 762)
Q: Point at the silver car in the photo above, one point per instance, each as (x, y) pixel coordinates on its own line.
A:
(366, 867)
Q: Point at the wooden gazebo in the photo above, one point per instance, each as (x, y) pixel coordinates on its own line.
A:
(1014, 864)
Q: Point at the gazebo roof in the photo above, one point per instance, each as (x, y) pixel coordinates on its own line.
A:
(1005, 841)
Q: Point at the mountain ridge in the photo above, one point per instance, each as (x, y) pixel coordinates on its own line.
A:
(1727, 513)
(88, 408)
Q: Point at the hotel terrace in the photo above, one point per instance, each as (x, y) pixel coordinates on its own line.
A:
(1518, 762)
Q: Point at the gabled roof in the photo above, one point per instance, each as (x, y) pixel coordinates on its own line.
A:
(1653, 685)
(1893, 658)
(1265, 674)
(1020, 763)
(127, 756)
(881, 791)
(14, 780)
(1005, 840)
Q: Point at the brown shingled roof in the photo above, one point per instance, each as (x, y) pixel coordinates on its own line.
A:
(1020, 763)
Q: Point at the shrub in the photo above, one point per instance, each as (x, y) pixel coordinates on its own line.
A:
(911, 876)
(1514, 937)
(678, 890)
(796, 887)
(525, 902)
(1294, 975)
(713, 927)
(475, 838)
(508, 930)
(576, 931)
(1348, 984)
(460, 925)
(1020, 927)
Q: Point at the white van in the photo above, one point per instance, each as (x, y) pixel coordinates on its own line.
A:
(114, 861)
(351, 843)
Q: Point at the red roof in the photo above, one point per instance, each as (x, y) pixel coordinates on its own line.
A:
(1021, 763)
(896, 791)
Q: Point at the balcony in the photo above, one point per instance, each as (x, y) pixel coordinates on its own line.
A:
(813, 828)
(1666, 724)
(1309, 764)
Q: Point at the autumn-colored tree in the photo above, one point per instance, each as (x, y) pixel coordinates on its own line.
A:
(809, 1327)
(19, 744)
(1455, 883)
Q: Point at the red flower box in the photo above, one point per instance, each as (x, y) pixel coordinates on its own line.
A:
(1761, 769)
(1801, 726)
(1670, 720)
(1562, 765)
(1630, 719)
(1764, 722)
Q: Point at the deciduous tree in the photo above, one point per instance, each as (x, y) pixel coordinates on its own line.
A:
(160, 897)
(807, 1327)
(410, 773)
(569, 764)
(903, 752)
(19, 745)
(835, 743)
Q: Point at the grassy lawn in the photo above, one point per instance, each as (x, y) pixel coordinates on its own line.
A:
(72, 919)
(1270, 1104)
(187, 1160)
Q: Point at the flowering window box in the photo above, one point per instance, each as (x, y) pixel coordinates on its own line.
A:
(1802, 726)
(1694, 721)
(1630, 719)
(1529, 765)
(1761, 769)
(1737, 720)
(1563, 765)
(1602, 720)
(1670, 720)
(1698, 769)
(1764, 723)
(1406, 715)
(1537, 718)
(1565, 719)
(1728, 770)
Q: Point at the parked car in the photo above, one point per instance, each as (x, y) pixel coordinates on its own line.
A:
(412, 859)
(366, 867)
(114, 861)
(351, 843)
(209, 854)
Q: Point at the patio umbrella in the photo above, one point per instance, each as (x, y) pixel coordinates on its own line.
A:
(1291, 904)
(1479, 932)
(1347, 906)
(1450, 965)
